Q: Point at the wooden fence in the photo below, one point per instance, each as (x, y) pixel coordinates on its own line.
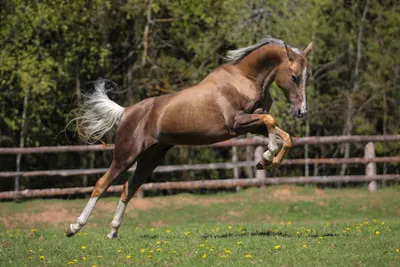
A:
(369, 159)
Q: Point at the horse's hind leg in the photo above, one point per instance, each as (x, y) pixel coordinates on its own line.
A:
(146, 163)
(118, 166)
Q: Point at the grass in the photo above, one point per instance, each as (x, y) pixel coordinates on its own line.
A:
(276, 226)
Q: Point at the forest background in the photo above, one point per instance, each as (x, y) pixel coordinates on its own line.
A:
(52, 51)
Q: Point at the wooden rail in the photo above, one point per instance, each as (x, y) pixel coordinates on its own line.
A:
(312, 140)
(204, 184)
(369, 159)
(209, 166)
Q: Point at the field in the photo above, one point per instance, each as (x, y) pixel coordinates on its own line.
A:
(275, 226)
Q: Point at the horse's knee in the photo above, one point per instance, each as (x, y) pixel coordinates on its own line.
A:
(269, 120)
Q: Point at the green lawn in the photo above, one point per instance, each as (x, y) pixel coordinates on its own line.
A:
(276, 226)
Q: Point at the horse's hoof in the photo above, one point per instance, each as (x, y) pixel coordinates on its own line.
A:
(112, 235)
(69, 232)
(262, 164)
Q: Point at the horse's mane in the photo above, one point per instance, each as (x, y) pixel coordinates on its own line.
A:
(235, 56)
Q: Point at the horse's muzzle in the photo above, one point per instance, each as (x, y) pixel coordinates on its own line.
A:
(300, 112)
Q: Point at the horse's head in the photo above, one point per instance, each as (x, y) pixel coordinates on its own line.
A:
(291, 77)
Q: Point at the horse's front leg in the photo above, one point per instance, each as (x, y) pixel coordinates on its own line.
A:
(258, 123)
(287, 144)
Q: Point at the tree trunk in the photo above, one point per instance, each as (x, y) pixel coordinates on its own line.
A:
(350, 102)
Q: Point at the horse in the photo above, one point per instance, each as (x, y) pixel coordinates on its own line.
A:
(231, 101)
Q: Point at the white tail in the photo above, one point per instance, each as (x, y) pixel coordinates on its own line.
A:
(97, 114)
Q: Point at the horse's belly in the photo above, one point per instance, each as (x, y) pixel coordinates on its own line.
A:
(192, 139)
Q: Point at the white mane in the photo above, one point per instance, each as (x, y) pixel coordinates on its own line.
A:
(235, 56)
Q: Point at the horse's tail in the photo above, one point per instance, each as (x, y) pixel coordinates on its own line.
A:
(97, 114)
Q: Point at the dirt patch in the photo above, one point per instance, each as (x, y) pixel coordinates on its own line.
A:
(290, 193)
(51, 215)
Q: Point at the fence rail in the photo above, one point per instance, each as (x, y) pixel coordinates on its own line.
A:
(204, 184)
(369, 159)
(312, 140)
(209, 166)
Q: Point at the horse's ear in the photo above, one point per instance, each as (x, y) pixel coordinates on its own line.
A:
(290, 53)
(308, 49)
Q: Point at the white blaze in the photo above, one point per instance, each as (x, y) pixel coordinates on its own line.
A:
(304, 81)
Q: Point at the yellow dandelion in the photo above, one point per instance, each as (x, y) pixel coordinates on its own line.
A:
(128, 257)
(204, 256)
(158, 242)
(30, 251)
(187, 233)
(151, 229)
(41, 257)
(99, 257)
(298, 233)
(142, 250)
(168, 231)
(119, 250)
(30, 257)
(229, 227)
(289, 222)
(383, 223)
(85, 233)
(150, 250)
(223, 256)
(377, 233)
(94, 266)
(71, 263)
(75, 260)
(374, 220)
(202, 245)
(282, 223)
(239, 243)
(33, 230)
(227, 251)
(79, 234)
(248, 256)
(277, 247)
(397, 250)
(149, 256)
(308, 230)
(205, 241)
(83, 247)
(84, 258)
(365, 223)
(304, 246)
(159, 249)
(348, 229)
(54, 235)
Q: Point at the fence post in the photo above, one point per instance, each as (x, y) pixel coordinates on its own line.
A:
(236, 169)
(258, 154)
(370, 169)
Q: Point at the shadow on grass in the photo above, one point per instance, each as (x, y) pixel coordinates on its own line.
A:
(272, 233)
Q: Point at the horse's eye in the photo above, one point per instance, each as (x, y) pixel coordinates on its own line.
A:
(294, 78)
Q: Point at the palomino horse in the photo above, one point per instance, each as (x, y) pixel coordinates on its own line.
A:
(231, 101)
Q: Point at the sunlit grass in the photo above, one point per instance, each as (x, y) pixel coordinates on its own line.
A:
(359, 232)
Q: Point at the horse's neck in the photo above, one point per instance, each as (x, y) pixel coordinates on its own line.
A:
(260, 66)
